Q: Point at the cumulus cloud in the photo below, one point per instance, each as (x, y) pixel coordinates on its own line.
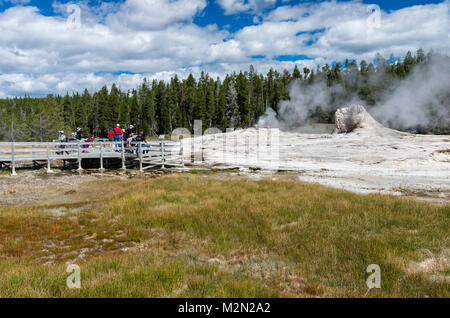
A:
(248, 6)
(154, 14)
(91, 15)
(339, 30)
(31, 41)
(41, 54)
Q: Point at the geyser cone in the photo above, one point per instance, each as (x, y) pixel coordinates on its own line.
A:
(355, 118)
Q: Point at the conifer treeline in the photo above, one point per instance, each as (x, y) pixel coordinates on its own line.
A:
(159, 107)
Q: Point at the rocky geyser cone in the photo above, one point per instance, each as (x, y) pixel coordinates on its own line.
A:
(348, 119)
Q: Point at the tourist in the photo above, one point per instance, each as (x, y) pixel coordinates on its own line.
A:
(129, 132)
(140, 137)
(130, 138)
(72, 138)
(111, 134)
(62, 137)
(89, 140)
(117, 133)
(78, 134)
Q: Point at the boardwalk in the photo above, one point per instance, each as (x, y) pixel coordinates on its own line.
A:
(155, 153)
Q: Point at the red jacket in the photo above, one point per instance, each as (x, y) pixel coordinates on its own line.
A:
(110, 134)
(117, 131)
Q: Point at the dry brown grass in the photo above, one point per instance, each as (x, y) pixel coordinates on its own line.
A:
(257, 238)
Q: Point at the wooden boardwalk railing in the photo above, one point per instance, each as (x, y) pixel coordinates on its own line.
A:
(155, 153)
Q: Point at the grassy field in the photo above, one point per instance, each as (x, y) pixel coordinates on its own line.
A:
(210, 236)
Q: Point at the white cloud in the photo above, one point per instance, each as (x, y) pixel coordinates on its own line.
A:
(344, 31)
(248, 6)
(157, 38)
(15, 1)
(154, 14)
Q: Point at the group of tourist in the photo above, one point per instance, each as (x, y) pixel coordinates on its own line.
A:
(76, 136)
(128, 135)
(116, 134)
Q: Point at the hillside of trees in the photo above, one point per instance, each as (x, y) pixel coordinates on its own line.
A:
(159, 107)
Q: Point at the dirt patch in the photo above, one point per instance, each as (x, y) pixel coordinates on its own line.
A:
(64, 191)
(433, 267)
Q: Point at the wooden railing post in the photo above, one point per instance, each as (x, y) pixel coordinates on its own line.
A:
(163, 153)
(49, 169)
(13, 160)
(122, 148)
(101, 157)
(140, 156)
(80, 168)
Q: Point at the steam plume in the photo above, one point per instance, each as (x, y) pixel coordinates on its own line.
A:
(420, 100)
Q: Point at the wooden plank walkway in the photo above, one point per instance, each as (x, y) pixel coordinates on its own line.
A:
(155, 153)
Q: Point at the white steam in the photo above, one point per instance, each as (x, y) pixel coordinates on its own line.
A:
(304, 99)
(420, 100)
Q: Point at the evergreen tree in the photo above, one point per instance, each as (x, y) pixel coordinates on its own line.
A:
(296, 74)
(238, 101)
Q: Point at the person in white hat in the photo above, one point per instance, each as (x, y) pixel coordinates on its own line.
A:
(62, 137)
(129, 132)
(117, 133)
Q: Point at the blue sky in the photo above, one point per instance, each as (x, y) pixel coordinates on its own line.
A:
(125, 41)
(214, 13)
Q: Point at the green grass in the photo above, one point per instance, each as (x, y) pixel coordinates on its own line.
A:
(129, 276)
(200, 236)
